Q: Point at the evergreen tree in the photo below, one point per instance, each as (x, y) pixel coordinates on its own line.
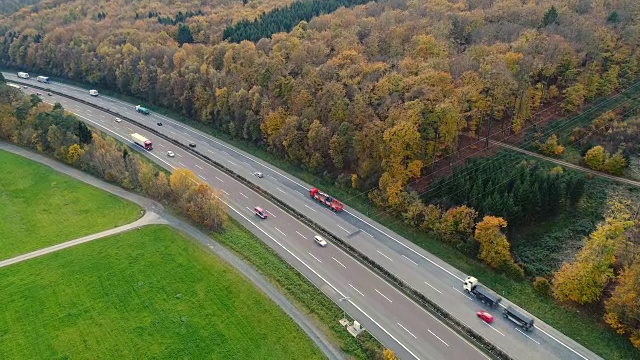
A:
(550, 17)
(184, 35)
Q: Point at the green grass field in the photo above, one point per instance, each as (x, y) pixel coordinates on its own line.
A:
(150, 293)
(40, 207)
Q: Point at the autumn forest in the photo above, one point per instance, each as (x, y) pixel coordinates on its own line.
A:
(381, 98)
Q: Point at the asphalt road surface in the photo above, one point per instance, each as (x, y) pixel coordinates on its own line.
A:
(389, 315)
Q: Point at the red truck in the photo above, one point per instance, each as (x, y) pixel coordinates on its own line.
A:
(334, 204)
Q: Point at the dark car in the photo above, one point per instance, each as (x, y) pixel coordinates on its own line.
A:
(192, 144)
(159, 124)
(49, 94)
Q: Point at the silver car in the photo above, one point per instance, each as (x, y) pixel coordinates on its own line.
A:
(320, 241)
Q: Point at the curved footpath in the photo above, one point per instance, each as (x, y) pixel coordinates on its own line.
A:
(156, 214)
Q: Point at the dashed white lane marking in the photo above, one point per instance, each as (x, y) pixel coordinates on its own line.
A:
(198, 167)
(433, 287)
(302, 235)
(527, 336)
(210, 151)
(338, 262)
(224, 152)
(224, 192)
(173, 133)
(181, 164)
(390, 259)
(465, 295)
(246, 163)
(405, 329)
(320, 261)
(493, 328)
(202, 177)
(414, 263)
(232, 163)
(438, 337)
(178, 155)
(354, 288)
(280, 231)
(270, 213)
(342, 228)
(219, 179)
(366, 233)
(244, 195)
(381, 294)
(310, 208)
(282, 191)
(161, 145)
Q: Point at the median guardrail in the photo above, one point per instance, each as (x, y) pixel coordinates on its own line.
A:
(488, 347)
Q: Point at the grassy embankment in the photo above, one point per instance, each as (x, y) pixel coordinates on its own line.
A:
(585, 328)
(149, 293)
(40, 207)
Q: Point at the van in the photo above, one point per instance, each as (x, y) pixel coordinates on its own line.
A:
(43, 79)
(23, 75)
(93, 92)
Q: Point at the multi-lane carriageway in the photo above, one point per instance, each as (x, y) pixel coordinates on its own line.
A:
(398, 322)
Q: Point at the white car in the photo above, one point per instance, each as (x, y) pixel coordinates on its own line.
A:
(170, 153)
(320, 241)
(118, 120)
(258, 174)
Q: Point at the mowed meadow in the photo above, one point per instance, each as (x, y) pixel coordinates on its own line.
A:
(149, 293)
(40, 207)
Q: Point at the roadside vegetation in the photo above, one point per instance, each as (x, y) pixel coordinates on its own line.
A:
(294, 285)
(149, 293)
(40, 207)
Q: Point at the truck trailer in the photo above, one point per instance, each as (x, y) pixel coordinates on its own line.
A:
(327, 200)
(485, 295)
(142, 110)
(93, 92)
(142, 141)
(44, 79)
(522, 320)
(23, 75)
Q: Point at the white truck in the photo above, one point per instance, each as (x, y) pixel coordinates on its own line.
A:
(485, 295)
(44, 79)
(93, 92)
(142, 141)
(23, 75)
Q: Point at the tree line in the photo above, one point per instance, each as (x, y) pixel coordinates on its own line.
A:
(27, 121)
(283, 19)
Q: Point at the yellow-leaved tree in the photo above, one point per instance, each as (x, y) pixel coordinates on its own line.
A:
(494, 247)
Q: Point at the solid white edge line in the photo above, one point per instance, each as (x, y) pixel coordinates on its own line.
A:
(563, 344)
(323, 279)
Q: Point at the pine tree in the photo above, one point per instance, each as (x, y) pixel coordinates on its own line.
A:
(550, 17)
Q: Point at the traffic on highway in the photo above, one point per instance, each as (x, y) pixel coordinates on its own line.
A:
(388, 314)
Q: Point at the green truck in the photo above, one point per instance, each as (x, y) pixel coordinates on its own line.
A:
(142, 110)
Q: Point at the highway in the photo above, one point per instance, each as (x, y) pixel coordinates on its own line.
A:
(398, 322)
